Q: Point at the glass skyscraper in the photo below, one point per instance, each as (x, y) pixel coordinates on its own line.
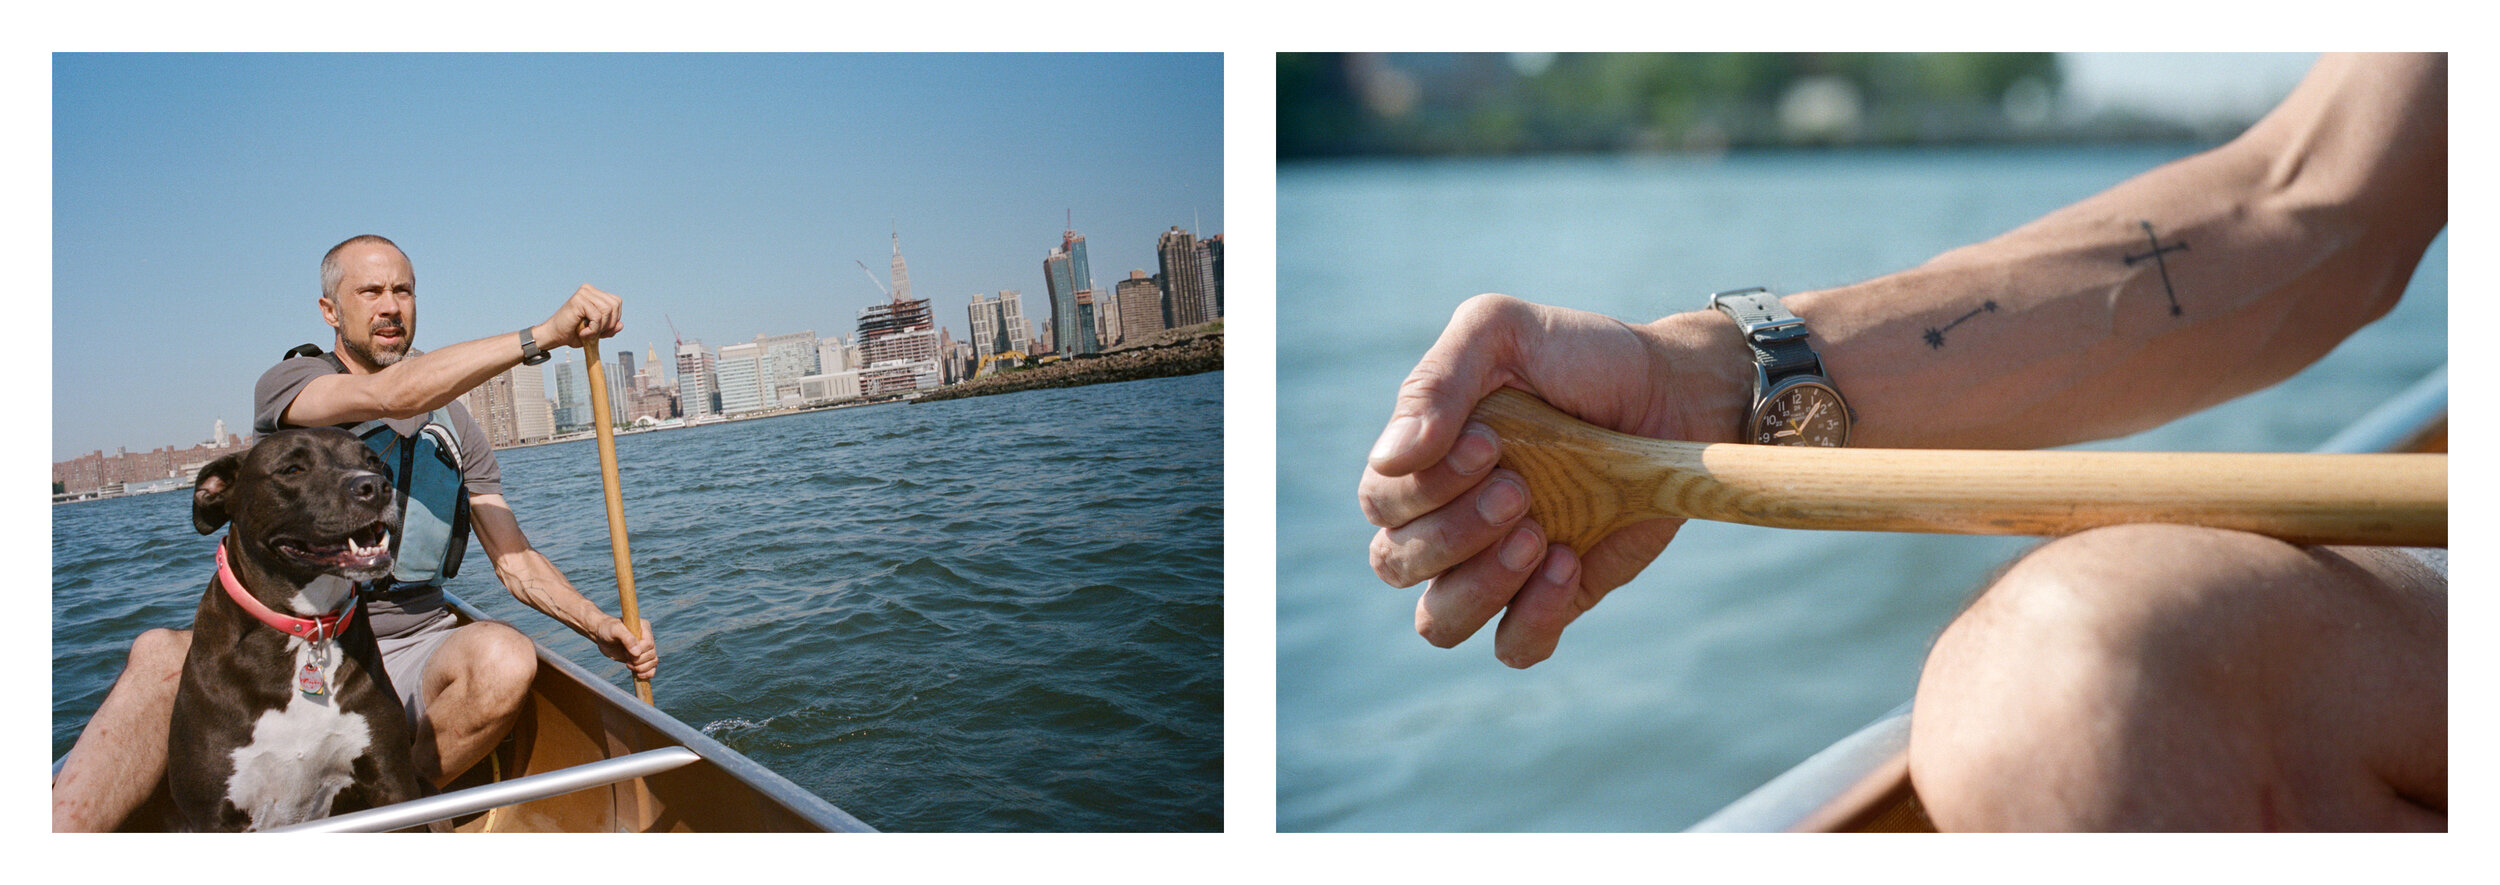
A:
(1071, 296)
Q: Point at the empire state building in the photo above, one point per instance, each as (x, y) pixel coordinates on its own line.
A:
(898, 339)
(901, 274)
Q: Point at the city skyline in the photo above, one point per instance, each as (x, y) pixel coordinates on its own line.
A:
(898, 348)
(729, 196)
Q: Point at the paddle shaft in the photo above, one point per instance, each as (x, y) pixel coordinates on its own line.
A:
(1585, 482)
(599, 415)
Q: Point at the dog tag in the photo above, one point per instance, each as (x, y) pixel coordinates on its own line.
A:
(309, 681)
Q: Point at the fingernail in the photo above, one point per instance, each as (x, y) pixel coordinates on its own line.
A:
(1477, 449)
(1501, 501)
(1519, 551)
(1561, 569)
(1399, 437)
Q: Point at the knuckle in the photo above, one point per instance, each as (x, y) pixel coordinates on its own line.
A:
(1376, 494)
(1492, 312)
(1585, 598)
(1487, 320)
(1388, 562)
(1485, 306)
(1379, 554)
(1372, 510)
(1435, 381)
(1430, 377)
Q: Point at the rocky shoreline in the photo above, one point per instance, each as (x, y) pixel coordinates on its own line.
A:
(1186, 357)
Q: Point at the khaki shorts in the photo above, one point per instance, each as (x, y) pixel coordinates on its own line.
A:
(404, 658)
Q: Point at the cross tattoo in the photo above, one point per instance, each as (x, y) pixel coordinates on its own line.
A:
(1935, 336)
(2159, 264)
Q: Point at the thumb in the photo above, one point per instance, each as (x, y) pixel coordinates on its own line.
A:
(1474, 356)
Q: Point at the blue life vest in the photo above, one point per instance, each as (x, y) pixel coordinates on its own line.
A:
(425, 474)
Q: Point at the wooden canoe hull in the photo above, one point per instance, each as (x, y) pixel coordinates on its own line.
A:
(574, 718)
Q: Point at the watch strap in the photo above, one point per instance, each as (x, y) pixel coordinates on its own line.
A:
(1778, 337)
(531, 353)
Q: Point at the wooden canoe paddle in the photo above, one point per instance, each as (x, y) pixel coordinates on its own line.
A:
(1585, 482)
(599, 413)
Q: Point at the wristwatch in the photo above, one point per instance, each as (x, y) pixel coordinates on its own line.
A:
(531, 353)
(1794, 401)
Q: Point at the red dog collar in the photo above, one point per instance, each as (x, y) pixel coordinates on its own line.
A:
(315, 629)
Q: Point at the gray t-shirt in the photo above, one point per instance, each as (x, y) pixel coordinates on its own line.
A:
(402, 609)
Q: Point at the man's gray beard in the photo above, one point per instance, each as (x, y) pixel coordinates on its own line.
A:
(382, 360)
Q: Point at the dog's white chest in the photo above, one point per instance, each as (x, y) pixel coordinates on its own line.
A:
(300, 756)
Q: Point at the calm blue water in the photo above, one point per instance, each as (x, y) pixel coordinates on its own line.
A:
(1000, 613)
(1717, 669)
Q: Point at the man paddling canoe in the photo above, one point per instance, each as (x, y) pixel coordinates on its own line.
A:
(2140, 677)
(462, 685)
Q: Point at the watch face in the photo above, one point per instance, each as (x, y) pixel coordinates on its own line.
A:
(1800, 412)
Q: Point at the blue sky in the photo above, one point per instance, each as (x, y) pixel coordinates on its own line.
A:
(193, 196)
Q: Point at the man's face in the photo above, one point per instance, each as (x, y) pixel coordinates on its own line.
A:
(375, 305)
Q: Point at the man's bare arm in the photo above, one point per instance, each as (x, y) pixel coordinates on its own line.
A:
(535, 581)
(2186, 286)
(431, 380)
(2178, 289)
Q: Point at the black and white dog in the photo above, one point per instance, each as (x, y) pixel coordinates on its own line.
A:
(284, 714)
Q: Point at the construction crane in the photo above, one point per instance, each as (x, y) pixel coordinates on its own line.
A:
(872, 277)
(672, 331)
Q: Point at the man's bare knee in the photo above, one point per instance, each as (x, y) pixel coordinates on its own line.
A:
(498, 660)
(2171, 593)
(160, 651)
(511, 653)
(2026, 696)
(2184, 596)
(2038, 705)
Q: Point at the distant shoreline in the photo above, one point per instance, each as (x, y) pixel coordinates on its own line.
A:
(587, 435)
(1188, 357)
(1197, 353)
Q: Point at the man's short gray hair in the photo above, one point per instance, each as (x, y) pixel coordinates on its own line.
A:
(331, 273)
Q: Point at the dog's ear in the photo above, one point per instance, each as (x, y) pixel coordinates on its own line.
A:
(208, 494)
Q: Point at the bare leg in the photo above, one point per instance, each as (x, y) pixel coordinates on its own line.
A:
(120, 756)
(2171, 678)
(474, 686)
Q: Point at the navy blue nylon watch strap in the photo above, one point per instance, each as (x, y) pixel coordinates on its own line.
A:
(1778, 337)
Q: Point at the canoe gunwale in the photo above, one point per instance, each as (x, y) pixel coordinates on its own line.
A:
(764, 781)
(1824, 792)
(486, 797)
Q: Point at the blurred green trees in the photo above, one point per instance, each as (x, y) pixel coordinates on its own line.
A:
(1497, 103)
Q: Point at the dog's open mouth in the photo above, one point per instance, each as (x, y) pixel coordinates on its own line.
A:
(360, 555)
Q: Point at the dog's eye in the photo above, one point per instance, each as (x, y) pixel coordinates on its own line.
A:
(290, 470)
